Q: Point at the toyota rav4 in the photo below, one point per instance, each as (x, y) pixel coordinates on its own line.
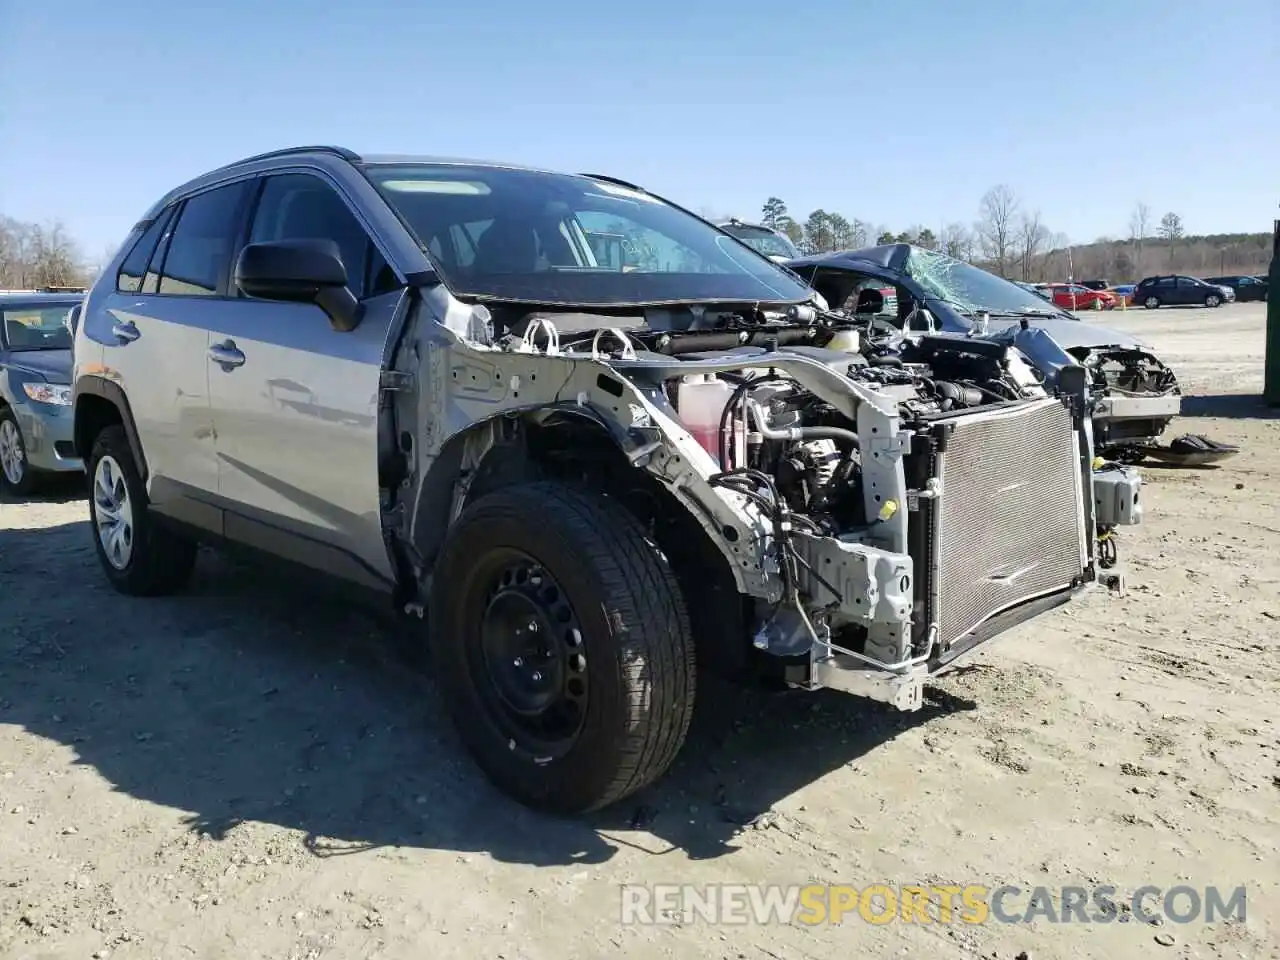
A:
(590, 479)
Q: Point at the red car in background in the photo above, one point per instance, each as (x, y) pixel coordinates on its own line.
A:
(1073, 296)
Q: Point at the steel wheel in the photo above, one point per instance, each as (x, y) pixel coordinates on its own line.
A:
(532, 653)
(13, 455)
(113, 513)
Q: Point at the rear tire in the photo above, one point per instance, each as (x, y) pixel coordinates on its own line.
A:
(139, 556)
(563, 647)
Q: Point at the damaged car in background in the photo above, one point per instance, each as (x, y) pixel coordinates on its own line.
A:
(590, 479)
(1135, 396)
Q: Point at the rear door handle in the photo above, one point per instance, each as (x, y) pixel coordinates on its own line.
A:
(226, 354)
(126, 332)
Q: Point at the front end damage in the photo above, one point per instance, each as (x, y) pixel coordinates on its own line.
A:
(881, 518)
(1135, 397)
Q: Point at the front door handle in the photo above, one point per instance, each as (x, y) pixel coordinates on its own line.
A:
(226, 354)
(125, 332)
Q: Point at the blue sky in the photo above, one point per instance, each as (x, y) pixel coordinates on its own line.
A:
(895, 113)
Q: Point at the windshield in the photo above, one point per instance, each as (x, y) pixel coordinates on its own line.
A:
(37, 328)
(955, 281)
(766, 241)
(546, 238)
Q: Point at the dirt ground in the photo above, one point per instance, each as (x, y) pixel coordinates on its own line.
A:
(246, 771)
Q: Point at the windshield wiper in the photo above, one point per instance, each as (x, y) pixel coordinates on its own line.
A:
(1030, 312)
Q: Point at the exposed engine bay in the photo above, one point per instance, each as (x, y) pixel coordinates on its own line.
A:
(886, 506)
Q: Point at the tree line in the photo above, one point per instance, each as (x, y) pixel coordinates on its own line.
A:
(1009, 238)
(34, 255)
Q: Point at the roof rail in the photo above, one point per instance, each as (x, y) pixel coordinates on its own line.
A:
(614, 180)
(349, 155)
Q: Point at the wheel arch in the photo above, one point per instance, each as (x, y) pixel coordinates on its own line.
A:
(573, 446)
(98, 403)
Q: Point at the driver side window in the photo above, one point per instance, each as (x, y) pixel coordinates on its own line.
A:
(299, 206)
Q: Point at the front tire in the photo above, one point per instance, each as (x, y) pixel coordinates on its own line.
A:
(1151, 303)
(1212, 301)
(563, 647)
(16, 476)
(139, 556)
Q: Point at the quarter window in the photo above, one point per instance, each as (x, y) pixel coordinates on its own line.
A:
(151, 279)
(129, 279)
(200, 248)
(297, 206)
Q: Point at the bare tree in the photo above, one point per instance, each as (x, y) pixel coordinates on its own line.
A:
(996, 225)
(15, 253)
(1139, 230)
(956, 240)
(1058, 260)
(38, 255)
(1033, 238)
(859, 233)
(1171, 230)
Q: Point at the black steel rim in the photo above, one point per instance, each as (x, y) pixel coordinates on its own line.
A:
(530, 659)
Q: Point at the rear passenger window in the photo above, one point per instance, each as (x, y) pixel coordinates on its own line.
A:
(200, 248)
(297, 206)
(129, 279)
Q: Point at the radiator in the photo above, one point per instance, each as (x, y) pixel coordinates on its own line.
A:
(1009, 526)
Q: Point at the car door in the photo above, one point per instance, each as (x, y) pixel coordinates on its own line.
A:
(168, 289)
(1191, 291)
(295, 411)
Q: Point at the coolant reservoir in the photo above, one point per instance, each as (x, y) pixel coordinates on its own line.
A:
(700, 402)
(847, 341)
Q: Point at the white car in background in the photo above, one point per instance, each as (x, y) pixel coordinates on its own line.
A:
(774, 245)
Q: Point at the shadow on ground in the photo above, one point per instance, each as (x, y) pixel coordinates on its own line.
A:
(258, 697)
(1239, 406)
(56, 488)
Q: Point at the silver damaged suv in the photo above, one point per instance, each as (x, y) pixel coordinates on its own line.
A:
(597, 442)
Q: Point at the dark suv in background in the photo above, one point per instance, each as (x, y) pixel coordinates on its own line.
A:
(1171, 291)
(1246, 288)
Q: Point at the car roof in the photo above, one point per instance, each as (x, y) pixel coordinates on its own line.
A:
(24, 299)
(339, 155)
(889, 256)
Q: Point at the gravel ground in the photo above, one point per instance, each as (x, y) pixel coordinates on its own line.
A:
(248, 771)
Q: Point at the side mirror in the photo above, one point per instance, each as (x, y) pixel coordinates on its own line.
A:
(300, 271)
